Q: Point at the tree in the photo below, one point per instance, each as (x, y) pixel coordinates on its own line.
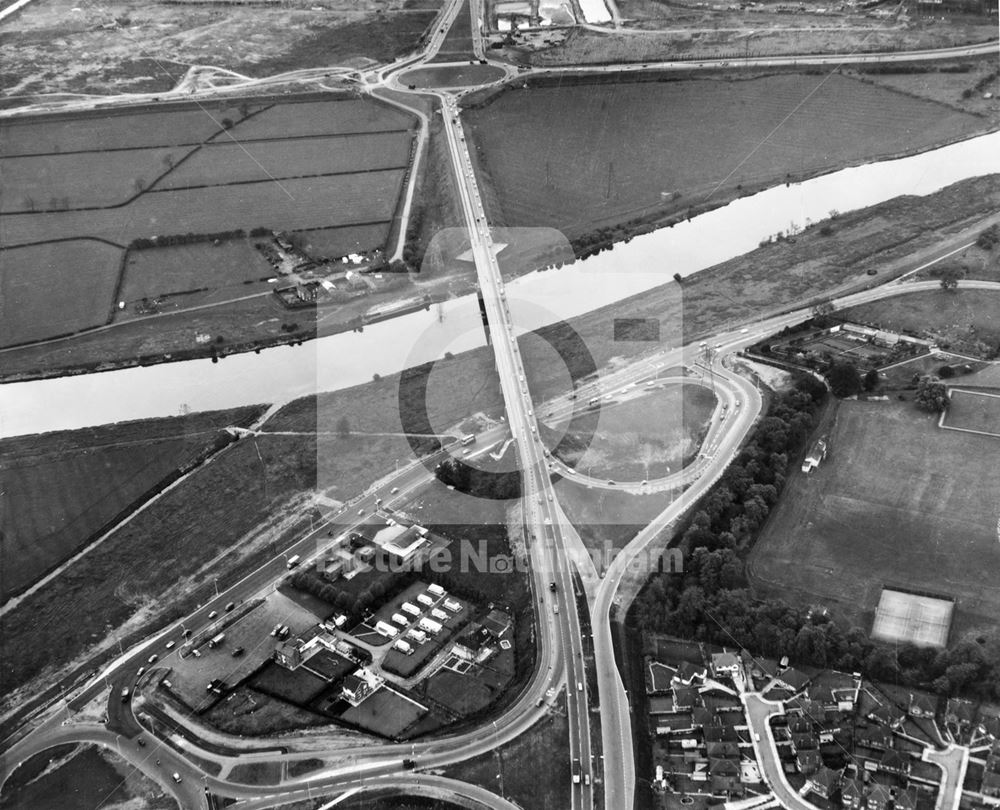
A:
(932, 396)
(343, 427)
(822, 309)
(871, 380)
(844, 379)
(950, 277)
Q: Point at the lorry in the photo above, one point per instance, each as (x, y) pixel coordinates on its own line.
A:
(468, 439)
(576, 771)
(294, 560)
(216, 640)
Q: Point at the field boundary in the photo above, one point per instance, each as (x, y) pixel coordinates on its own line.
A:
(972, 392)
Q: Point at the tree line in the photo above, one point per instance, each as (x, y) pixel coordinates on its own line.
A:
(710, 601)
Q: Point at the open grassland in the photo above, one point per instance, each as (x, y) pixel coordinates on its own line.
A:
(605, 152)
(970, 410)
(644, 437)
(51, 49)
(227, 162)
(309, 202)
(518, 765)
(608, 519)
(178, 268)
(55, 288)
(464, 75)
(898, 503)
(96, 179)
(957, 319)
(61, 488)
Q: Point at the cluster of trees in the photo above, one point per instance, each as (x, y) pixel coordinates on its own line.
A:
(931, 396)
(143, 243)
(480, 483)
(989, 238)
(710, 600)
(381, 587)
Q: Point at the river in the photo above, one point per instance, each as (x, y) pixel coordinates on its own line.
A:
(284, 373)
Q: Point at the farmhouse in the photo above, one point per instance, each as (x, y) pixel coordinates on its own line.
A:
(360, 685)
(816, 455)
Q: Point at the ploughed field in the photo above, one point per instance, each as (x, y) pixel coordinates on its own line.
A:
(79, 189)
(898, 503)
(581, 154)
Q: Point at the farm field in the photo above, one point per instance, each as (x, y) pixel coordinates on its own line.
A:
(899, 503)
(337, 116)
(55, 288)
(611, 151)
(177, 268)
(309, 202)
(99, 179)
(226, 163)
(960, 319)
(979, 411)
(61, 488)
(645, 437)
(63, 286)
(118, 130)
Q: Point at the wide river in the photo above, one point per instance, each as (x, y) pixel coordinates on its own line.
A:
(340, 361)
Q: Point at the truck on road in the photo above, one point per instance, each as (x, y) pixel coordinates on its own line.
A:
(215, 641)
(294, 560)
(576, 771)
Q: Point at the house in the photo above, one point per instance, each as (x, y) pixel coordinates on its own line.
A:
(878, 796)
(824, 782)
(792, 680)
(726, 785)
(804, 742)
(797, 724)
(894, 761)
(873, 736)
(702, 717)
(722, 750)
(906, 799)
(888, 715)
(959, 713)
(288, 654)
(684, 697)
(688, 673)
(922, 705)
(660, 678)
(991, 784)
(808, 761)
(360, 685)
(723, 767)
(720, 733)
(816, 455)
(852, 793)
(989, 726)
(725, 664)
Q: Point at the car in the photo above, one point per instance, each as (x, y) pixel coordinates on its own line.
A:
(153, 659)
(579, 686)
(540, 702)
(552, 586)
(872, 271)
(176, 777)
(238, 652)
(612, 483)
(643, 482)
(196, 653)
(394, 490)
(213, 614)
(230, 606)
(141, 742)
(139, 672)
(170, 644)
(361, 511)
